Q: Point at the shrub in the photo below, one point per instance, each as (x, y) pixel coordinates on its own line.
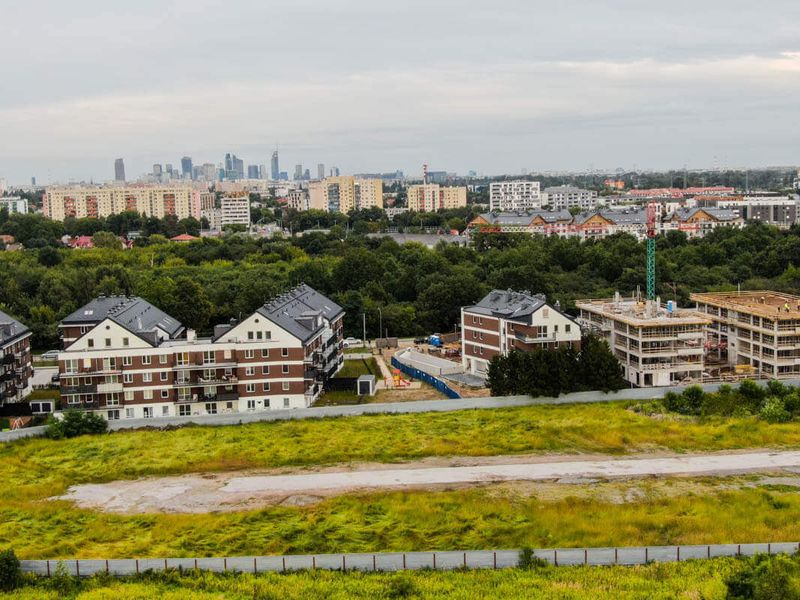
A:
(765, 578)
(774, 411)
(528, 560)
(401, 587)
(10, 572)
(75, 423)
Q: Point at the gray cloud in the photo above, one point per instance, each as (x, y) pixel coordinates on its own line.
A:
(370, 85)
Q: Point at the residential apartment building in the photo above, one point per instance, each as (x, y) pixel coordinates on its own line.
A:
(125, 358)
(14, 205)
(15, 359)
(345, 193)
(756, 328)
(569, 196)
(656, 344)
(505, 320)
(431, 197)
(235, 211)
(697, 222)
(154, 201)
(298, 200)
(780, 211)
(515, 196)
(542, 222)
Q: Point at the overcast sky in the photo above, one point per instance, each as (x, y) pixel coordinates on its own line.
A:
(371, 85)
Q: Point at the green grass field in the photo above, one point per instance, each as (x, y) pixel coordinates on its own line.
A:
(37, 469)
(355, 368)
(688, 580)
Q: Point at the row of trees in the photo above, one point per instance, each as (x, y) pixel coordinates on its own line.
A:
(554, 372)
(417, 290)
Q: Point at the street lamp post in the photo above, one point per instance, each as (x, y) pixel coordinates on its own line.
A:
(380, 322)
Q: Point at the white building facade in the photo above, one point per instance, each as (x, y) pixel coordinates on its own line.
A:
(514, 196)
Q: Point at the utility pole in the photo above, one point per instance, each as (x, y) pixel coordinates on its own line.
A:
(364, 317)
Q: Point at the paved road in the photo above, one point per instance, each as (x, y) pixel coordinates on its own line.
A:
(608, 468)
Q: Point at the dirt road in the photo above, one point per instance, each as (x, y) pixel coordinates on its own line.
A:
(230, 491)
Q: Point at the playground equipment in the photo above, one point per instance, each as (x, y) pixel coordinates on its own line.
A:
(398, 380)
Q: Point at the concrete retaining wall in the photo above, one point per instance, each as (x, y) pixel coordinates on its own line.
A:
(398, 561)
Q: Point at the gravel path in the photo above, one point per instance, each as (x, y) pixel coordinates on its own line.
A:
(229, 492)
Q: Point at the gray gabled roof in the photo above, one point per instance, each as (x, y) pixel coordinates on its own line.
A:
(133, 313)
(298, 310)
(526, 217)
(721, 214)
(508, 304)
(10, 329)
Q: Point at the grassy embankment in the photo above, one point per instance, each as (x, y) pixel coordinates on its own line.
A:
(696, 579)
(35, 470)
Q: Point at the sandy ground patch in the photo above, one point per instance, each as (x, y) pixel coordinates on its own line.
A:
(249, 490)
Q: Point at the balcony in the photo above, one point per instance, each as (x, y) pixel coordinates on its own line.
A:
(79, 389)
(225, 380)
(108, 388)
(533, 339)
(223, 396)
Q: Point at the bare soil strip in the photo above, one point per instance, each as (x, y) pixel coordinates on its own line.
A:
(238, 491)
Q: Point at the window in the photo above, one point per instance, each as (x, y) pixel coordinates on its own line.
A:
(90, 343)
(567, 328)
(163, 376)
(250, 371)
(208, 357)
(87, 381)
(129, 414)
(265, 370)
(147, 377)
(146, 360)
(249, 335)
(148, 412)
(250, 387)
(267, 335)
(128, 395)
(126, 341)
(229, 405)
(474, 335)
(555, 328)
(265, 353)
(545, 313)
(286, 403)
(148, 394)
(481, 351)
(163, 359)
(84, 329)
(165, 393)
(112, 415)
(211, 408)
(109, 364)
(182, 359)
(265, 386)
(284, 352)
(184, 410)
(285, 385)
(481, 335)
(127, 361)
(165, 411)
(285, 369)
(266, 403)
(112, 400)
(542, 333)
(251, 405)
(259, 335)
(108, 342)
(249, 354)
(73, 400)
(71, 365)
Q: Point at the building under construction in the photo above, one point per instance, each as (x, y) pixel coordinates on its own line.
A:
(657, 345)
(758, 330)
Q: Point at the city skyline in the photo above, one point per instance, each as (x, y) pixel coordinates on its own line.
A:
(494, 89)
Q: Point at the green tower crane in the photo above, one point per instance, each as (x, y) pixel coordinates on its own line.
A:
(652, 208)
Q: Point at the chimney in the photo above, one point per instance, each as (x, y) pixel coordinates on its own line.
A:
(191, 335)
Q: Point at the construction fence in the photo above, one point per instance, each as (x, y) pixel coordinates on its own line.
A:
(426, 377)
(399, 561)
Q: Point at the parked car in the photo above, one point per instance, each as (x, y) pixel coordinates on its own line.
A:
(50, 355)
(351, 342)
(55, 378)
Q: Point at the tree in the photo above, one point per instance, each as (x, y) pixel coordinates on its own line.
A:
(106, 239)
(10, 571)
(598, 368)
(190, 305)
(74, 423)
(49, 257)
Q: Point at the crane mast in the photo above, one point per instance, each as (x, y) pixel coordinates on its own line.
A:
(652, 209)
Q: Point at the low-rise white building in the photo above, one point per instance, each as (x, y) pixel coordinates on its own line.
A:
(235, 211)
(14, 205)
(569, 196)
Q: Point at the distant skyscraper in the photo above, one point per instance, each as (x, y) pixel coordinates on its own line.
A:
(284, 176)
(275, 167)
(119, 170)
(298, 172)
(234, 167)
(307, 174)
(320, 171)
(187, 168)
(335, 172)
(33, 181)
(157, 171)
(252, 172)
